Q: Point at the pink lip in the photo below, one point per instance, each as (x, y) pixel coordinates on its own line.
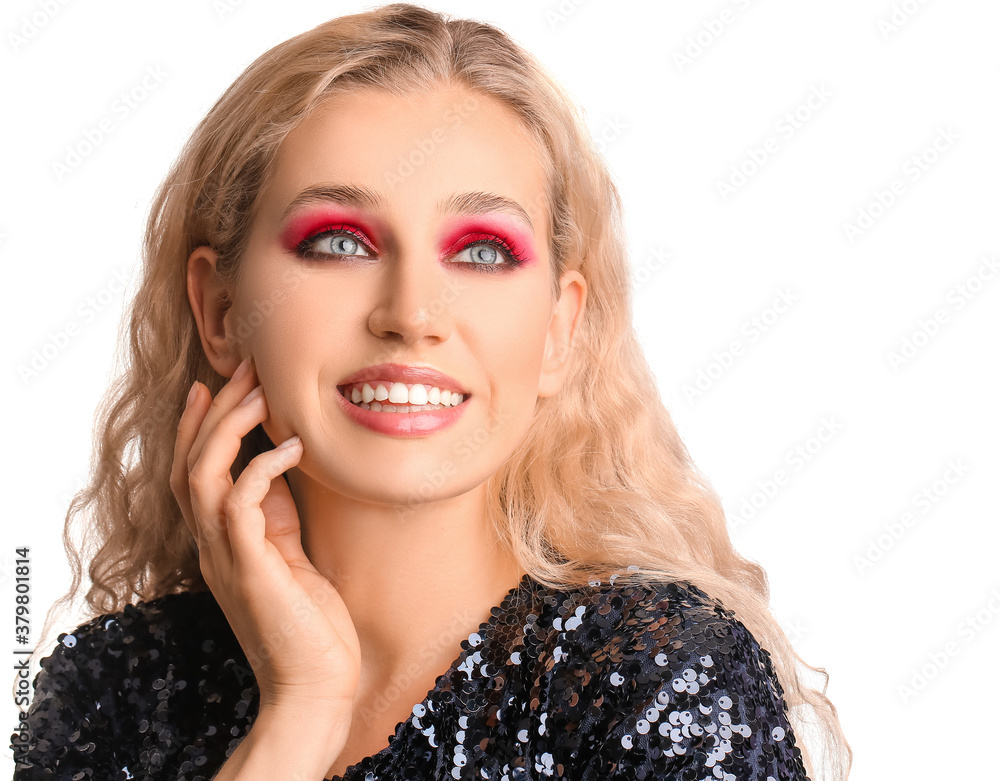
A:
(397, 372)
(403, 424)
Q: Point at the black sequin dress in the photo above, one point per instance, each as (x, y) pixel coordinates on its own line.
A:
(604, 682)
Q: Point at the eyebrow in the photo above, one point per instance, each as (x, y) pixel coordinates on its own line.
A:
(362, 197)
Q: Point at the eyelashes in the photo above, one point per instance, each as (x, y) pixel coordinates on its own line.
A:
(305, 247)
(354, 244)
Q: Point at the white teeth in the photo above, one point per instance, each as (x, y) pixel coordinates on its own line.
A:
(413, 399)
(417, 394)
(378, 407)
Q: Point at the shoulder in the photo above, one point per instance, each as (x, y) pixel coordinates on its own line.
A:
(140, 631)
(111, 674)
(631, 639)
(661, 677)
(118, 650)
(679, 629)
(662, 627)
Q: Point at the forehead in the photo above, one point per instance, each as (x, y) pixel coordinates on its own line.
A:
(414, 150)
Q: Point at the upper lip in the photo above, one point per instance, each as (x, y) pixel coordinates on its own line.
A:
(397, 372)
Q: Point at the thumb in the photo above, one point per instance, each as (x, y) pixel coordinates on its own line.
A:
(282, 527)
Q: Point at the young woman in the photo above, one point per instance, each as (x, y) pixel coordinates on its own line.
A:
(479, 548)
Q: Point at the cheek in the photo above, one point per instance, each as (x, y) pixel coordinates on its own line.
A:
(280, 314)
(514, 347)
(287, 338)
(513, 364)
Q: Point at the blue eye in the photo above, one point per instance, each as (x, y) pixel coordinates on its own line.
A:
(334, 242)
(484, 254)
(490, 255)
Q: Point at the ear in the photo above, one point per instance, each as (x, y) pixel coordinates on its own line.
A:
(563, 327)
(210, 302)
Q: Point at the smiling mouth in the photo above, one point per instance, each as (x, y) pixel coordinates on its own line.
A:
(399, 397)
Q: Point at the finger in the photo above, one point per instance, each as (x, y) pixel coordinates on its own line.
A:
(247, 524)
(210, 479)
(197, 422)
(187, 430)
(244, 379)
(282, 526)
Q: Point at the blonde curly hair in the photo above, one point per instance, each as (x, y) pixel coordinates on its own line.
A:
(582, 496)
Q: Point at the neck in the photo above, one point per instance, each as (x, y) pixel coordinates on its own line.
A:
(417, 579)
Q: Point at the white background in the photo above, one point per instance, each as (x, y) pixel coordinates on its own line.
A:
(878, 611)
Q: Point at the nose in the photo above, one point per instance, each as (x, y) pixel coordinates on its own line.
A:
(412, 305)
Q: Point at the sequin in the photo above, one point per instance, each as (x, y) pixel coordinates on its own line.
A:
(602, 682)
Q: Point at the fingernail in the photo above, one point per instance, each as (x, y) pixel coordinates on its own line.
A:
(191, 393)
(288, 442)
(241, 370)
(252, 395)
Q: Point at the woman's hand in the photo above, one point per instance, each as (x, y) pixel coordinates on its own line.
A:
(289, 619)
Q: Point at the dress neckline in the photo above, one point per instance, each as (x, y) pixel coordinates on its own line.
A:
(485, 632)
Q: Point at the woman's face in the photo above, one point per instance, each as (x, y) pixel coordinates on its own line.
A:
(362, 254)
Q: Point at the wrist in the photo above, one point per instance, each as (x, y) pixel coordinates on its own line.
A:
(308, 736)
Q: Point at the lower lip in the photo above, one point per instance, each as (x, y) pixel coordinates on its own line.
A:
(403, 424)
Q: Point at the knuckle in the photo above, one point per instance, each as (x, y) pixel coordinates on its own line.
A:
(253, 477)
(257, 483)
(218, 405)
(211, 536)
(232, 505)
(197, 483)
(176, 483)
(214, 526)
